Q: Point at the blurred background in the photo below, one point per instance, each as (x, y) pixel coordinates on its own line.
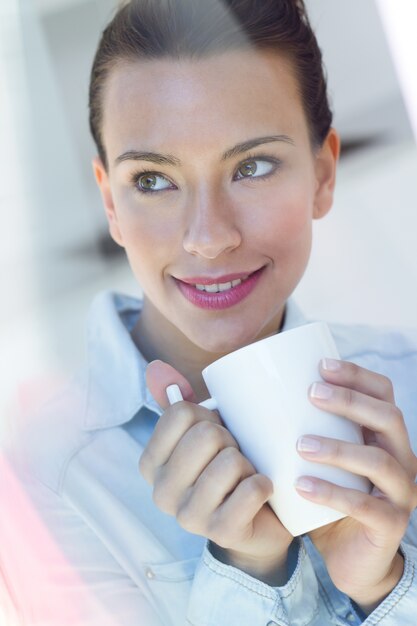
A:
(54, 246)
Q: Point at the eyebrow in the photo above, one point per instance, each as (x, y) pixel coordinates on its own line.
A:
(154, 157)
(253, 143)
(169, 159)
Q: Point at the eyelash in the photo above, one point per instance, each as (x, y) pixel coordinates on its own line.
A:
(277, 163)
(134, 179)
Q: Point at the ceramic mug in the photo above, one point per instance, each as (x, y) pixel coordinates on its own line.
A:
(261, 393)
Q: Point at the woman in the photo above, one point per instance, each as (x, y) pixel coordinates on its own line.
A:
(215, 154)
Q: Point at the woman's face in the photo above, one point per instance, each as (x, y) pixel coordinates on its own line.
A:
(211, 177)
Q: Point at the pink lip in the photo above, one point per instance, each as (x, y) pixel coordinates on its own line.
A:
(222, 299)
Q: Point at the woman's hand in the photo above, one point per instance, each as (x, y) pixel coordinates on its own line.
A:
(200, 476)
(361, 550)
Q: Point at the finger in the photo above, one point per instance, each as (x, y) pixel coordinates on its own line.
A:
(168, 431)
(159, 376)
(214, 485)
(377, 416)
(352, 376)
(195, 451)
(375, 513)
(245, 502)
(376, 464)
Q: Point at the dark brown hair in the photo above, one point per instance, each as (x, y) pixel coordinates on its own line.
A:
(153, 29)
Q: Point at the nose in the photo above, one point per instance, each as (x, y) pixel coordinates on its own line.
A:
(212, 228)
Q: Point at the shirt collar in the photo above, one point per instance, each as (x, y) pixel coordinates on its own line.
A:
(116, 387)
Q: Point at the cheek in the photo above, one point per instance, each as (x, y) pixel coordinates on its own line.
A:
(285, 223)
(143, 222)
(149, 238)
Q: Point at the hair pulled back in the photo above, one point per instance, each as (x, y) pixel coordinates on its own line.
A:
(154, 29)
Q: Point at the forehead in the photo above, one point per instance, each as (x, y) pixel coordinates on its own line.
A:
(222, 98)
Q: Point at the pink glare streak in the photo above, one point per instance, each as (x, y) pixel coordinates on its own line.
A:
(32, 393)
(36, 571)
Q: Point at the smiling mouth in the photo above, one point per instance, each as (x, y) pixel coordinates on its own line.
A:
(231, 289)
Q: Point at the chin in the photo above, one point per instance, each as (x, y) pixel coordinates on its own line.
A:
(223, 345)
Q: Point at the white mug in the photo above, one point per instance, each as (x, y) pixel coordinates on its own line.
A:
(261, 393)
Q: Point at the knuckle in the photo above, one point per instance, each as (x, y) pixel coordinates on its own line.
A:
(143, 463)
(382, 462)
(184, 412)
(334, 450)
(257, 486)
(206, 430)
(387, 385)
(184, 519)
(188, 519)
(189, 413)
(215, 434)
(360, 507)
(230, 457)
(209, 415)
(211, 529)
(403, 518)
(349, 397)
(402, 528)
(354, 371)
(395, 414)
(410, 495)
(145, 466)
(327, 494)
(158, 496)
(162, 497)
(228, 462)
(414, 496)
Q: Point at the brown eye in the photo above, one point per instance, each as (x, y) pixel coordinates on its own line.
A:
(152, 182)
(257, 168)
(247, 169)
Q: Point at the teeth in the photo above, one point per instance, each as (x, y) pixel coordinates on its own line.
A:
(219, 287)
(225, 286)
(211, 288)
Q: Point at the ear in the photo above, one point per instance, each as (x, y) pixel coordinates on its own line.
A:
(102, 180)
(325, 168)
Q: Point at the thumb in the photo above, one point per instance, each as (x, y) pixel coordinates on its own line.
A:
(160, 375)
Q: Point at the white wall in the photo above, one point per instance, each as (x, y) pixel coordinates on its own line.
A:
(364, 264)
(362, 80)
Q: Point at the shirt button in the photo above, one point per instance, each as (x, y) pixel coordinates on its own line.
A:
(149, 573)
(351, 617)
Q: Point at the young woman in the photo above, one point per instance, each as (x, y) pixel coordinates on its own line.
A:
(215, 154)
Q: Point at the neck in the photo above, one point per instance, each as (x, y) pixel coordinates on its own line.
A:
(157, 338)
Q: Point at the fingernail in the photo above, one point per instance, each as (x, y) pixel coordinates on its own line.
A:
(321, 391)
(331, 365)
(308, 444)
(174, 394)
(305, 484)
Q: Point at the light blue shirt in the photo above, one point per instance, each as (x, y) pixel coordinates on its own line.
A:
(83, 544)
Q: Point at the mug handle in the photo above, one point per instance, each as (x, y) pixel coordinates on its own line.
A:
(174, 395)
